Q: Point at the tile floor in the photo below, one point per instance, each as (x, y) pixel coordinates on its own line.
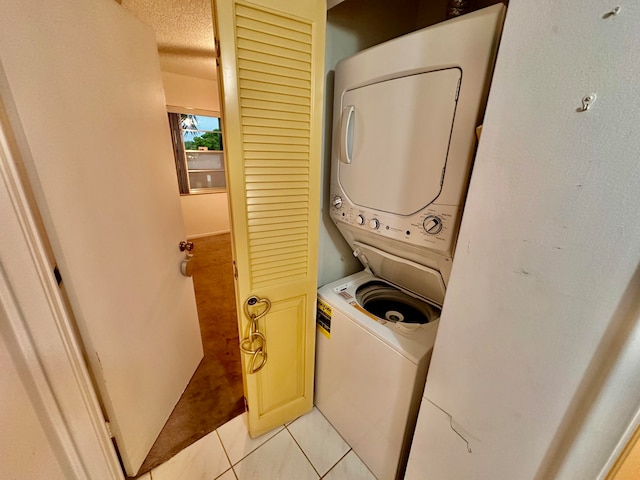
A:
(307, 448)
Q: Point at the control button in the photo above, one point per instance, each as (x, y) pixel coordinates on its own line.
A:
(360, 220)
(432, 225)
(374, 223)
(337, 202)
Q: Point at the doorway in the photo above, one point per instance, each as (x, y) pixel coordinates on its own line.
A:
(187, 53)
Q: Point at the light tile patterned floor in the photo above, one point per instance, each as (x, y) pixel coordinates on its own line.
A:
(307, 448)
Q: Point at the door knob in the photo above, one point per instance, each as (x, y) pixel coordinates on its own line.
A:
(184, 245)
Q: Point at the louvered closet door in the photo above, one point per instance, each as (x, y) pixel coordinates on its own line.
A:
(272, 67)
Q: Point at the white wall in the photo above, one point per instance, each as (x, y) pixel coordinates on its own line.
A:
(185, 92)
(537, 354)
(205, 214)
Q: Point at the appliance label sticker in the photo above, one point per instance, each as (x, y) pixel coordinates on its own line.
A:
(323, 318)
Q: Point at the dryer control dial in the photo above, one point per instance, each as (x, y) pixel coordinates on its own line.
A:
(360, 220)
(337, 202)
(432, 225)
(374, 223)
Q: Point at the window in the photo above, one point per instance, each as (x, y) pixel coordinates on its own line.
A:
(197, 146)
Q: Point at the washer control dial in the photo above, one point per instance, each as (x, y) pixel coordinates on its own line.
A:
(360, 220)
(374, 223)
(432, 225)
(337, 202)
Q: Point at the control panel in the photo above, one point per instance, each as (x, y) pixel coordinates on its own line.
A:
(433, 227)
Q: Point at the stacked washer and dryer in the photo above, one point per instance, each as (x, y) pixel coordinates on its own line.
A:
(405, 118)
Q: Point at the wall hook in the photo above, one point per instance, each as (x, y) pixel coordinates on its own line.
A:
(612, 13)
(587, 101)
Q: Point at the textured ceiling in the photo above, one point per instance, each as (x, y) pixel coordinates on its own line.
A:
(184, 29)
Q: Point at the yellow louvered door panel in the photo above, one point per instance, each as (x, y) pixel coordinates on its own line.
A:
(271, 76)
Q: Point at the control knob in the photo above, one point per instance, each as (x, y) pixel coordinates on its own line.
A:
(360, 220)
(374, 223)
(432, 225)
(337, 202)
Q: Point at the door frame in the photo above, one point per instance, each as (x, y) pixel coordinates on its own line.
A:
(38, 328)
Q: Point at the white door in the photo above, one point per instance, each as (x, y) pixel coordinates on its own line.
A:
(82, 86)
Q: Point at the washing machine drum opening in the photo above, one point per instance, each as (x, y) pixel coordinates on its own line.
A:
(389, 303)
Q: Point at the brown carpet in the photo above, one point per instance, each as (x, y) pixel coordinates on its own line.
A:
(214, 394)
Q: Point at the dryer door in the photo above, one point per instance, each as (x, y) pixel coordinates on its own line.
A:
(396, 137)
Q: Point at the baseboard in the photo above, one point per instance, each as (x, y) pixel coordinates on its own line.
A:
(208, 234)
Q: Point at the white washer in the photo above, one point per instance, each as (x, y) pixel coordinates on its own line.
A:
(405, 114)
(370, 375)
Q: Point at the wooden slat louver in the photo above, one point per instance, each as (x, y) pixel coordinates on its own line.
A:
(274, 73)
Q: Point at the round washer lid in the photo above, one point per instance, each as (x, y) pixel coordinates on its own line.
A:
(423, 281)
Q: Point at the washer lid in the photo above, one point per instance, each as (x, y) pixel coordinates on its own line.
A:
(395, 140)
(423, 281)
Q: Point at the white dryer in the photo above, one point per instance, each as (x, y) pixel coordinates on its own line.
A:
(405, 114)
